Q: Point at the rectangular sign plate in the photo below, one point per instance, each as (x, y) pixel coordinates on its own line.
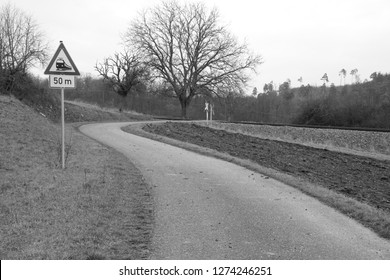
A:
(62, 81)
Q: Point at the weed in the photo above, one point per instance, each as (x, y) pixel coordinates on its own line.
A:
(68, 148)
(104, 174)
(86, 185)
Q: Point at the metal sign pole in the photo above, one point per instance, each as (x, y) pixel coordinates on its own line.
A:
(63, 127)
(62, 70)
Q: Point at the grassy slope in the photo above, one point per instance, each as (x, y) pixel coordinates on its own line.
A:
(98, 208)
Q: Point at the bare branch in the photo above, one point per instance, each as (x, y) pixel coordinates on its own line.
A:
(123, 71)
(22, 44)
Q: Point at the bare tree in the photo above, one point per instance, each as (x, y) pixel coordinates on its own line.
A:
(22, 45)
(325, 78)
(342, 74)
(123, 71)
(186, 47)
(254, 92)
(354, 74)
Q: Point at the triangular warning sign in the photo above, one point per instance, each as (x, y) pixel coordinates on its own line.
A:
(62, 63)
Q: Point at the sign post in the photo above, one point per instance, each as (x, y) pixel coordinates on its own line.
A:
(207, 111)
(62, 71)
(62, 128)
(211, 112)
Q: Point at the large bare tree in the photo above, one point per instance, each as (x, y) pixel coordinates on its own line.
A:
(186, 46)
(123, 71)
(22, 45)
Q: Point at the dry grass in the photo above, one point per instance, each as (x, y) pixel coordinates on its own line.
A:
(82, 112)
(98, 208)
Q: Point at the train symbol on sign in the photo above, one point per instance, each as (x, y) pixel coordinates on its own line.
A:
(61, 65)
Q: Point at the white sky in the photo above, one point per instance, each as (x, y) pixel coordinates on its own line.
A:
(299, 38)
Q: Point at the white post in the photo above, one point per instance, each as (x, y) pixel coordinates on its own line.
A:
(211, 112)
(207, 112)
(63, 127)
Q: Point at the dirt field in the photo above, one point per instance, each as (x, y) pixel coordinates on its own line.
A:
(366, 143)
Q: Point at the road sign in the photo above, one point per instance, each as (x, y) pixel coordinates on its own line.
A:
(62, 81)
(62, 63)
(62, 71)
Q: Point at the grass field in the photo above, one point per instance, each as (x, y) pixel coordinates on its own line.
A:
(99, 207)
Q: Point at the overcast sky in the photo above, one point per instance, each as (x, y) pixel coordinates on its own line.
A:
(301, 38)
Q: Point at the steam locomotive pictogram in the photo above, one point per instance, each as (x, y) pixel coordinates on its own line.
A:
(61, 65)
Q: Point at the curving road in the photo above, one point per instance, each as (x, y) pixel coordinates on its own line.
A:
(206, 208)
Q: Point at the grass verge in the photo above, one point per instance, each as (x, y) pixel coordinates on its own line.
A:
(99, 207)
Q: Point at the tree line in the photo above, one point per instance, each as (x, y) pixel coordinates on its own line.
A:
(364, 104)
(181, 48)
(179, 55)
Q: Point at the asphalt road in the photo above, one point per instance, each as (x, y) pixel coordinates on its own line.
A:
(206, 208)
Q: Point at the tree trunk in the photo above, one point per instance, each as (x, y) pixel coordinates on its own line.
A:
(123, 103)
(183, 111)
(184, 102)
